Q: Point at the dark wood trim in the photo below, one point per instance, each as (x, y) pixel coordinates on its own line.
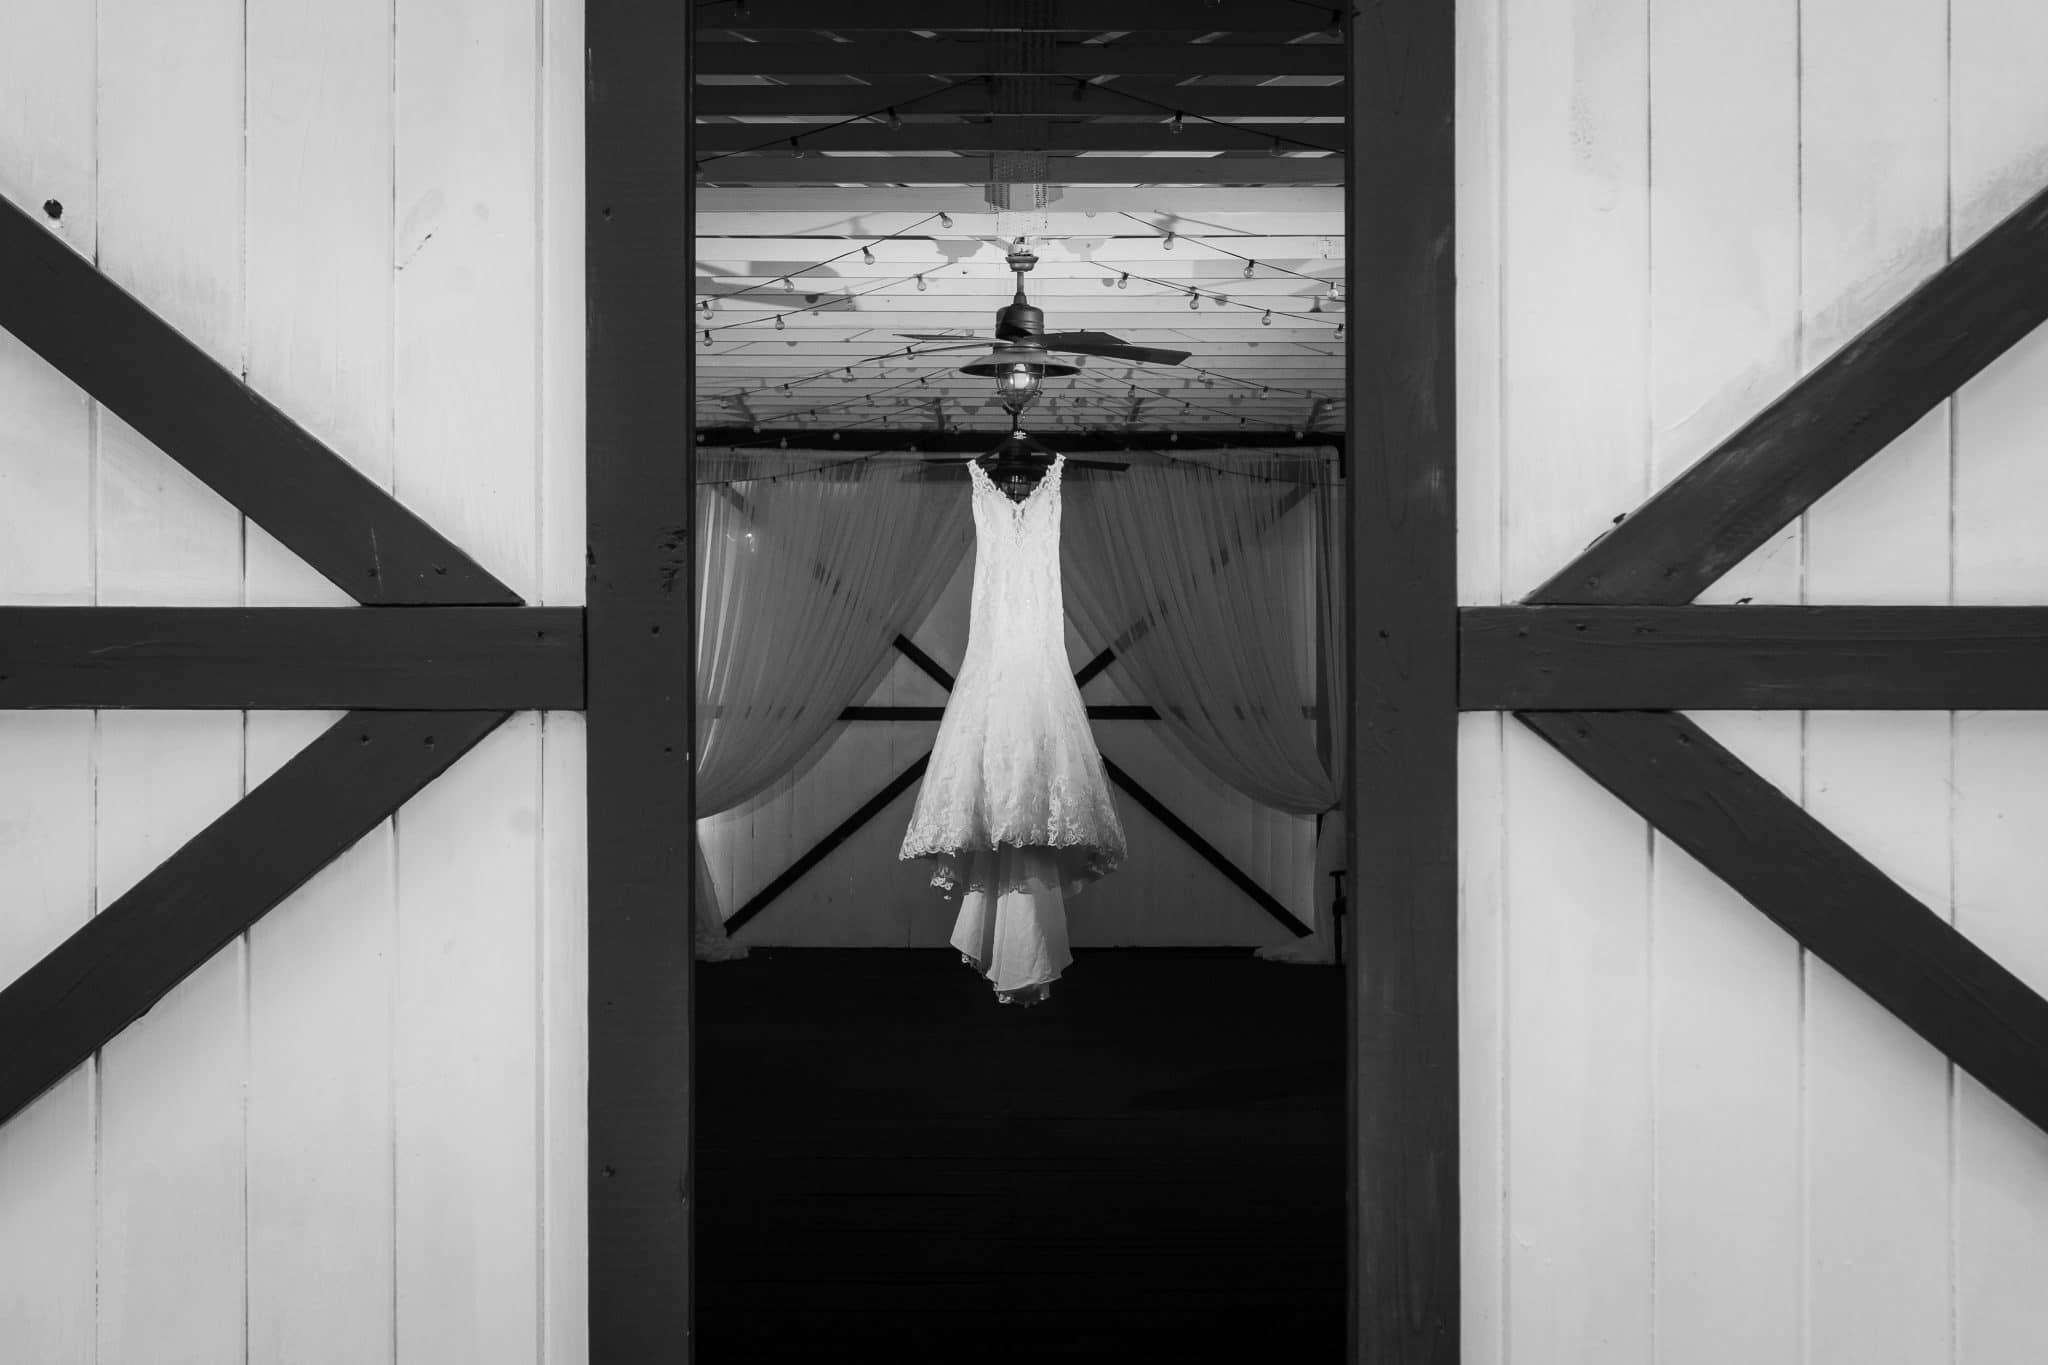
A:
(1091, 669)
(1719, 658)
(293, 658)
(240, 445)
(1022, 135)
(1075, 16)
(1402, 607)
(1205, 850)
(925, 663)
(818, 852)
(641, 682)
(1061, 99)
(1819, 890)
(930, 442)
(270, 843)
(896, 53)
(1870, 391)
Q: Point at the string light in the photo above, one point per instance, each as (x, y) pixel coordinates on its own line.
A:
(707, 336)
(779, 324)
(1266, 318)
(867, 257)
(1124, 280)
(920, 284)
(788, 285)
(1167, 245)
(895, 120)
(706, 306)
(1176, 125)
(1248, 267)
(945, 220)
(797, 148)
(1194, 300)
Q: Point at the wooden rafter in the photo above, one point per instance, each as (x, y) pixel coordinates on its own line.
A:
(1720, 658)
(900, 54)
(1818, 889)
(124, 959)
(1013, 134)
(1869, 392)
(1222, 169)
(1051, 16)
(924, 439)
(292, 658)
(1065, 99)
(203, 416)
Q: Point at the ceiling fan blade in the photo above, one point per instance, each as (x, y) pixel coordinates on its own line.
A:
(1149, 355)
(1085, 338)
(946, 336)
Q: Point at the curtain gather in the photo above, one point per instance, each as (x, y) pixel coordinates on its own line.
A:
(805, 576)
(1216, 582)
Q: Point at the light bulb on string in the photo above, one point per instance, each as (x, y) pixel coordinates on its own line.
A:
(706, 306)
(1167, 245)
(707, 336)
(1124, 280)
(788, 285)
(1194, 300)
(1248, 268)
(945, 219)
(1266, 318)
(1340, 329)
(867, 257)
(1176, 125)
(894, 119)
(797, 148)
(779, 324)
(920, 284)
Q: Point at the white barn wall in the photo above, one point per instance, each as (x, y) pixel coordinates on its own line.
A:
(1685, 1140)
(357, 1133)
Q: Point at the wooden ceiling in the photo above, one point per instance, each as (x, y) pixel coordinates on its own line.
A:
(1177, 166)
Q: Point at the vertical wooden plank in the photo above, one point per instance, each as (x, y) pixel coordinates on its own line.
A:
(322, 965)
(467, 1078)
(1400, 383)
(565, 902)
(1874, 171)
(170, 1226)
(1999, 151)
(468, 293)
(47, 1153)
(641, 711)
(1574, 334)
(466, 455)
(1724, 982)
(1482, 925)
(170, 168)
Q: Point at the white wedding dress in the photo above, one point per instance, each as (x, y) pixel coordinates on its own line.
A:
(1015, 812)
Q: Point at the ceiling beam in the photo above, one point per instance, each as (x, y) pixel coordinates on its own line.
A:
(1020, 135)
(1052, 99)
(1246, 171)
(895, 54)
(1074, 209)
(926, 441)
(1072, 16)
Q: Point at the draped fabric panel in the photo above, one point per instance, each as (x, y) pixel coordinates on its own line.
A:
(1216, 581)
(805, 576)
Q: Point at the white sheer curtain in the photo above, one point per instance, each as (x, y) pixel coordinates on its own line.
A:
(807, 570)
(1215, 579)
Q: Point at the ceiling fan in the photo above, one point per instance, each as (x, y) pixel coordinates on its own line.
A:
(1019, 360)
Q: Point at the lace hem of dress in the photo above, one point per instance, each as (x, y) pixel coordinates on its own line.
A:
(1024, 997)
(951, 866)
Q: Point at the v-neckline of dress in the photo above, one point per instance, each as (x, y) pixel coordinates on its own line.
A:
(1016, 507)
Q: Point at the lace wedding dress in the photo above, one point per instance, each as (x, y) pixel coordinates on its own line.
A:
(1015, 813)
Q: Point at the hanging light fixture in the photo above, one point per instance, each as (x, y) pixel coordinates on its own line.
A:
(1019, 362)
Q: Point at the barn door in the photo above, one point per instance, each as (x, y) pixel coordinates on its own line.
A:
(1755, 1058)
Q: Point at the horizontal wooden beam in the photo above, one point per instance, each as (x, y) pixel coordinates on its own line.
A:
(975, 442)
(1720, 658)
(1074, 210)
(1060, 170)
(898, 54)
(293, 658)
(1052, 16)
(232, 873)
(927, 714)
(1822, 892)
(203, 416)
(1126, 95)
(1015, 135)
(1869, 392)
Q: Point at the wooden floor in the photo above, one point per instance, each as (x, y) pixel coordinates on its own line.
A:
(1150, 1166)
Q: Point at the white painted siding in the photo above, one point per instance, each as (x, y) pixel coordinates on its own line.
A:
(356, 1134)
(1684, 1140)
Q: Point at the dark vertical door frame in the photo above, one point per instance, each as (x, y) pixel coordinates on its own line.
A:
(1402, 777)
(640, 674)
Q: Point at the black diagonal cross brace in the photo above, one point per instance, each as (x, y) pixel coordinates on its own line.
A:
(1600, 658)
